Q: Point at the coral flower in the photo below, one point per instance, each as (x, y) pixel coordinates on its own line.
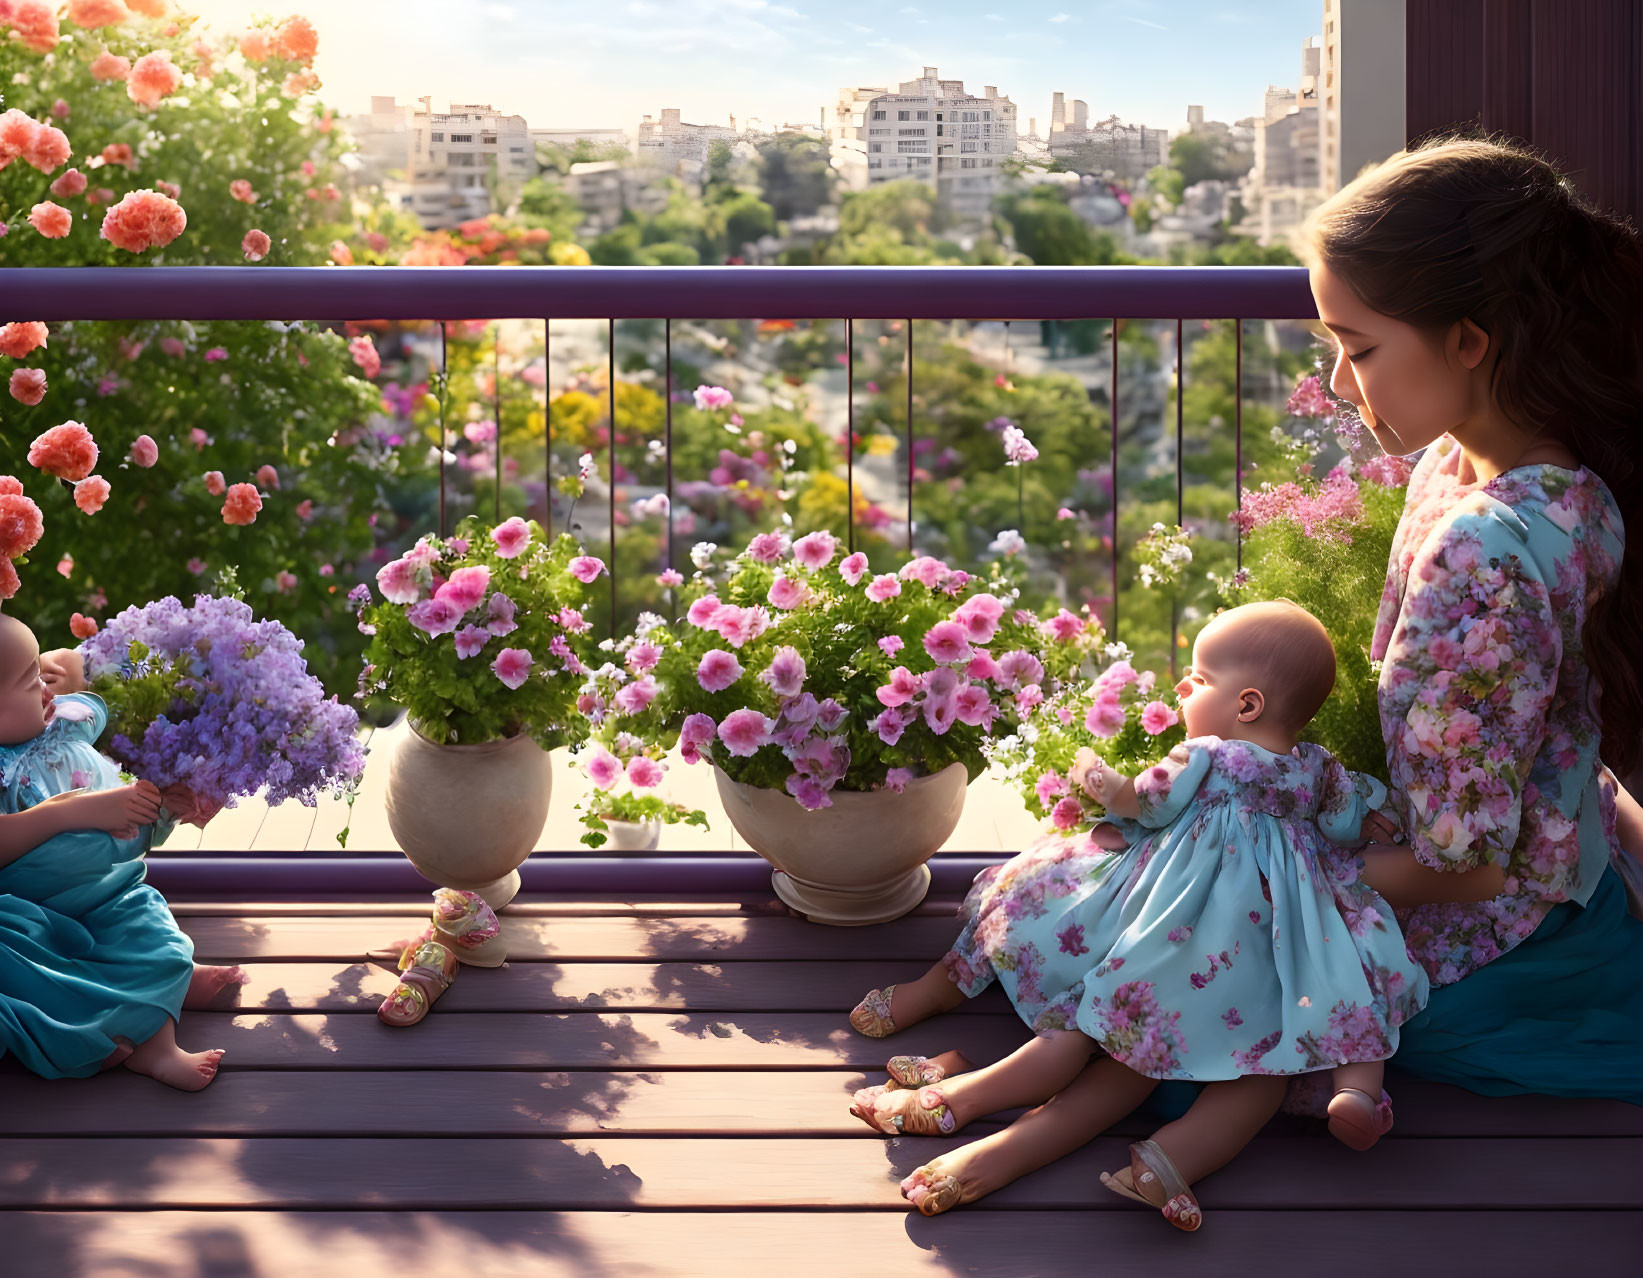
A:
(110, 66)
(52, 220)
(144, 451)
(148, 8)
(254, 46)
(268, 477)
(296, 39)
(8, 579)
(20, 524)
(92, 14)
(20, 337)
(241, 504)
(153, 77)
(90, 494)
(28, 385)
(69, 185)
(364, 353)
(118, 153)
(35, 23)
(81, 626)
(144, 220)
(48, 148)
(67, 451)
(255, 245)
(342, 255)
(17, 130)
(240, 189)
(214, 483)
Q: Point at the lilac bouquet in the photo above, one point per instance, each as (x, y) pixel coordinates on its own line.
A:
(1122, 715)
(799, 668)
(211, 699)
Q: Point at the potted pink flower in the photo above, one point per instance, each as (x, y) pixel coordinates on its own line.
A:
(481, 637)
(844, 710)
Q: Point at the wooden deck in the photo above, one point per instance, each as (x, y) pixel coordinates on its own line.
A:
(659, 1087)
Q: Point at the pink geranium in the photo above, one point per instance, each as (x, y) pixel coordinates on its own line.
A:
(1029, 697)
(499, 614)
(980, 615)
(1065, 626)
(982, 666)
(883, 587)
(363, 351)
(710, 398)
(768, 548)
(890, 724)
(1105, 716)
(1158, 717)
(403, 581)
(787, 593)
(670, 577)
(644, 773)
(925, 570)
(744, 731)
(632, 698)
(643, 656)
(947, 642)
(1067, 814)
(697, 731)
(586, 567)
(511, 537)
(470, 640)
(603, 767)
(896, 779)
(718, 670)
(1050, 784)
(90, 493)
(854, 568)
(512, 666)
(703, 611)
(974, 706)
(434, 616)
(890, 645)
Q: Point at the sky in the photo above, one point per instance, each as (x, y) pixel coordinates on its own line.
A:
(603, 65)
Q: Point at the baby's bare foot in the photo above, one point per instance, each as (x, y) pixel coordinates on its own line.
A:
(186, 1071)
(209, 982)
(958, 1177)
(905, 1111)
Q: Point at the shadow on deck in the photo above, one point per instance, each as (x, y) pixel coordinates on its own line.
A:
(660, 1087)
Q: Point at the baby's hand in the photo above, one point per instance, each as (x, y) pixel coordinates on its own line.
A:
(64, 670)
(1104, 783)
(1079, 773)
(1380, 828)
(120, 811)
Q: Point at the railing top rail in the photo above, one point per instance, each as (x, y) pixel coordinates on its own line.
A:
(676, 292)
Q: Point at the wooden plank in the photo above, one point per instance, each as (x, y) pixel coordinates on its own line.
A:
(330, 986)
(582, 1040)
(655, 1103)
(912, 943)
(523, 906)
(615, 1173)
(984, 1244)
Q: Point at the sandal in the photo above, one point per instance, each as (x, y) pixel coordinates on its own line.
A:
(463, 921)
(933, 1194)
(925, 1113)
(429, 969)
(872, 1015)
(914, 1071)
(1152, 1172)
(1357, 1120)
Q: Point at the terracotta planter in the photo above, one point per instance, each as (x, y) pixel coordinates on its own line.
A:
(633, 836)
(861, 860)
(467, 816)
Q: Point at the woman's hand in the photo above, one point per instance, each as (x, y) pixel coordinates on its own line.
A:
(1104, 783)
(185, 805)
(1079, 774)
(120, 811)
(64, 670)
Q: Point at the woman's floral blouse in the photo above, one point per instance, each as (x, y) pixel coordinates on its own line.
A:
(1488, 708)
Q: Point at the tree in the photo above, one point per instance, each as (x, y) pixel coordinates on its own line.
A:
(745, 218)
(796, 175)
(547, 204)
(559, 158)
(1050, 233)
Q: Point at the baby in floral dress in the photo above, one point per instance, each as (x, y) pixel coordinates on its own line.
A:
(1230, 938)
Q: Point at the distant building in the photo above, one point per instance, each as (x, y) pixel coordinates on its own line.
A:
(932, 130)
(383, 137)
(670, 143)
(1361, 111)
(607, 188)
(1126, 151)
(568, 138)
(456, 157)
(1283, 185)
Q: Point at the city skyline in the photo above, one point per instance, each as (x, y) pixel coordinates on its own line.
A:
(1144, 60)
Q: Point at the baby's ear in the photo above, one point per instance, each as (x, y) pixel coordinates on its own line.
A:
(1251, 704)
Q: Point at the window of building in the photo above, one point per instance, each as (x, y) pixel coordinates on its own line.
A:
(938, 115)
(437, 137)
(904, 115)
(517, 150)
(911, 133)
(874, 133)
(462, 137)
(909, 147)
(923, 115)
(878, 115)
(875, 146)
(939, 128)
(986, 115)
(967, 145)
(966, 164)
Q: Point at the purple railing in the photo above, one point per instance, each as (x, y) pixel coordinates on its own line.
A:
(612, 293)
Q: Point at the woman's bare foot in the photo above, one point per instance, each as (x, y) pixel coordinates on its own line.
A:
(208, 983)
(962, 1176)
(161, 1059)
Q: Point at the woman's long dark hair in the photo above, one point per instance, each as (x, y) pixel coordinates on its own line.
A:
(1485, 229)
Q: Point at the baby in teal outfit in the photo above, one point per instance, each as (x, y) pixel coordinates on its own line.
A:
(94, 971)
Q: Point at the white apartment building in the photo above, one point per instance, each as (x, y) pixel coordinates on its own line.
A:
(1283, 185)
(669, 142)
(383, 136)
(454, 153)
(1361, 97)
(931, 130)
(1127, 151)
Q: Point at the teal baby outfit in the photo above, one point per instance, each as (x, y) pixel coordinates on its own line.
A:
(88, 951)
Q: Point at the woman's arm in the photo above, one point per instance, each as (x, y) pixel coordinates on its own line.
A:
(1394, 872)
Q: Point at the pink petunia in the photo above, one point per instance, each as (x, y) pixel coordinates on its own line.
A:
(1050, 785)
(947, 642)
(586, 567)
(718, 670)
(738, 626)
(890, 645)
(896, 779)
(466, 587)
(644, 773)
(703, 611)
(854, 568)
(512, 666)
(883, 587)
(904, 685)
(499, 614)
(603, 767)
(768, 548)
(785, 673)
(470, 640)
(787, 593)
(940, 713)
(90, 493)
(144, 452)
(974, 706)
(709, 398)
(1067, 814)
(403, 581)
(363, 351)
(1065, 626)
(925, 570)
(434, 616)
(1158, 717)
(890, 724)
(744, 731)
(815, 550)
(669, 578)
(28, 385)
(697, 731)
(1029, 697)
(511, 537)
(643, 656)
(634, 697)
(1105, 715)
(808, 792)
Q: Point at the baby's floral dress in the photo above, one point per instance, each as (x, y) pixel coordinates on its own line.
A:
(1486, 701)
(1231, 937)
(89, 953)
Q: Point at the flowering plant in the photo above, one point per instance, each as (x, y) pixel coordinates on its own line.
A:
(791, 671)
(1324, 544)
(1162, 555)
(1122, 715)
(211, 699)
(482, 635)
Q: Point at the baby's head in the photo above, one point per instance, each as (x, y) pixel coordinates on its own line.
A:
(1269, 664)
(24, 697)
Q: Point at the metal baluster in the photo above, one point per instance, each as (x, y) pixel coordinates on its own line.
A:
(1238, 435)
(667, 393)
(850, 434)
(496, 399)
(547, 426)
(1113, 403)
(1180, 406)
(910, 458)
(610, 391)
(444, 390)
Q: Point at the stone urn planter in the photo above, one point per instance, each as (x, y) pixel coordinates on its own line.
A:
(862, 860)
(467, 816)
(633, 836)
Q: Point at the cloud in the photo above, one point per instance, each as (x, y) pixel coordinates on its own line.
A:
(1142, 22)
(1062, 17)
(501, 12)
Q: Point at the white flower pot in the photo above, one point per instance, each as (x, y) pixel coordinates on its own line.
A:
(467, 816)
(633, 836)
(862, 860)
